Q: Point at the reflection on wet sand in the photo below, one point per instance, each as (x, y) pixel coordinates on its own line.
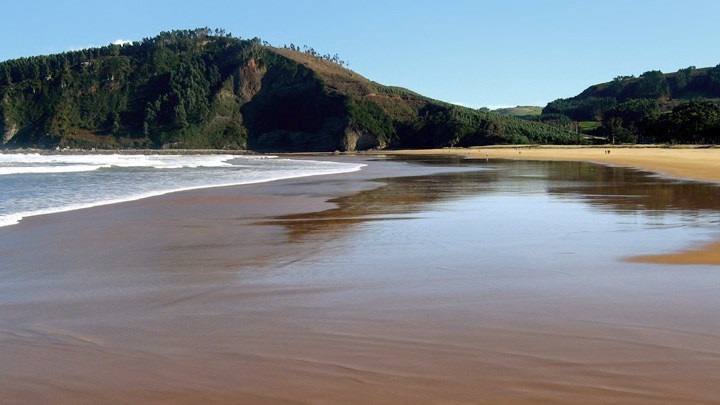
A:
(626, 190)
(396, 198)
(621, 190)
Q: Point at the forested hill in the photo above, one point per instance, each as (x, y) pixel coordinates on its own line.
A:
(679, 107)
(206, 89)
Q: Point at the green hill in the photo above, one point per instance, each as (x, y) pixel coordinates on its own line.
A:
(526, 112)
(682, 107)
(205, 89)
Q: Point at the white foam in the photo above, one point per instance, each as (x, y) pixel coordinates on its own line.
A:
(7, 220)
(17, 163)
(176, 161)
(46, 169)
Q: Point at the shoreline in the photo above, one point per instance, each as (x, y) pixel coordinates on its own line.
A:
(696, 163)
(69, 151)
(688, 162)
(16, 218)
(692, 163)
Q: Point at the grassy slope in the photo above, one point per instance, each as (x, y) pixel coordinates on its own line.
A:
(520, 111)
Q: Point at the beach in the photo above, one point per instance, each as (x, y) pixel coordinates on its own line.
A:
(689, 163)
(692, 163)
(421, 281)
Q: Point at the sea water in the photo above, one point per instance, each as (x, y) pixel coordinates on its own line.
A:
(35, 184)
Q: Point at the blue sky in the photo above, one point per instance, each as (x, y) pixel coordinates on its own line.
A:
(476, 53)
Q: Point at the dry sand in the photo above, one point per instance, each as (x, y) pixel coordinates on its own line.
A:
(702, 164)
(691, 163)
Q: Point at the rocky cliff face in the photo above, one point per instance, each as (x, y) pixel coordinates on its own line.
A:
(9, 130)
(7, 127)
(249, 80)
(359, 140)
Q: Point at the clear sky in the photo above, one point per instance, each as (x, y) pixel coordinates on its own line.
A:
(476, 53)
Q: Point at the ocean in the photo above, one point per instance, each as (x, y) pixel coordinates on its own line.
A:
(37, 184)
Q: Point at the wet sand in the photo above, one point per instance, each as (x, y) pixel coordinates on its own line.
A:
(691, 163)
(392, 285)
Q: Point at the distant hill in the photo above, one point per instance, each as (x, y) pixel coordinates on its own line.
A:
(525, 112)
(205, 89)
(682, 107)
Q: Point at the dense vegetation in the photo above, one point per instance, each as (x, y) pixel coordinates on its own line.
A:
(206, 89)
(680, 107)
